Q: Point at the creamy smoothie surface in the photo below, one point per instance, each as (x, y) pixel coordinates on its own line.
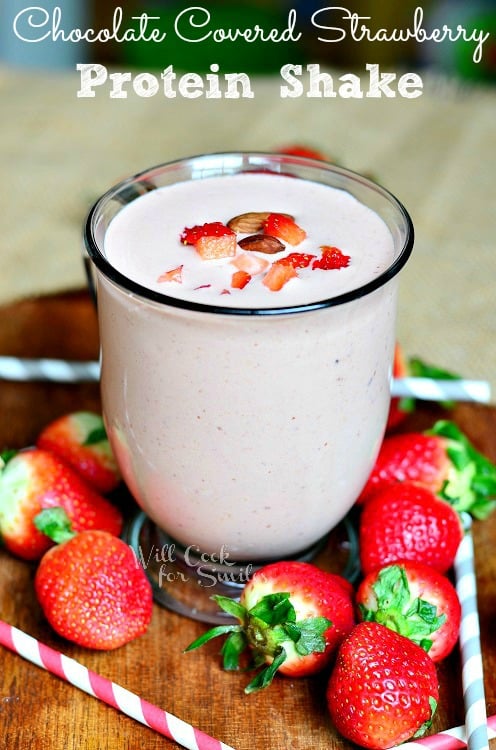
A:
(152, 241)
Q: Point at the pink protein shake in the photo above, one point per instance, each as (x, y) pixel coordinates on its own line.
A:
(246, 418)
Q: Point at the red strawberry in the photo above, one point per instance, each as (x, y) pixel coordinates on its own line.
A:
(332, 258)
(80, 440)
(414, 367)
(211, 240)
(284, 228)
(408, 522)
(383, 689)
(277, 276)
(35, 479)
(442, 459)
(296, 260)
(292, 616)
(240, 279)
(400, 407)
(306, 151)
(416, 601)
(92, 590)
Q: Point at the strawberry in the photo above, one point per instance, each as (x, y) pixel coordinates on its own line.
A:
(408, 522)
(34, 479)
(416, 601)
(91, 588)
(211, 240)
(250, 263)
(284, 228)
(306, 151)
(383, 689)
(442, 459)
(332, 258)
(399, 407)
(175, 274)
(277, 276)
(80, 440)
(240, 279)
(413, 367)
(296, 260)
(292, 616)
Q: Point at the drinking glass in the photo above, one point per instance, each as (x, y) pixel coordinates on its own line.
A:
(244, 435)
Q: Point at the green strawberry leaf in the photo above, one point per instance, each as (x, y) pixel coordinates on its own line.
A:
(472, 486)
(231, 607)
(211, 634)
(427, 724)
(54, 523)
(6, 456)
(420, 369)
(98, 435)
(232, 648)
(398, 610)
(265, 676)
(311, 640)
(274, 609)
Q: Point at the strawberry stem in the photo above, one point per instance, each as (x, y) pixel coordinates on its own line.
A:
(54, 523)
(472, 487)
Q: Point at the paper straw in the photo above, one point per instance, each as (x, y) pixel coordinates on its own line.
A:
(449, 739)
(53, 370)
(470, 646)
(109, 692)
(66, 371)
(428, 389)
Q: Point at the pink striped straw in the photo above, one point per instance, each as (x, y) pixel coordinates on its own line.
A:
(450, 739)
(109, 692)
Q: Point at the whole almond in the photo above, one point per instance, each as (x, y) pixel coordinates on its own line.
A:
(261, 243)
(250, 222)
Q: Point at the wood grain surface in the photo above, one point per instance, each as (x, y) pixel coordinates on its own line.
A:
(38, 710)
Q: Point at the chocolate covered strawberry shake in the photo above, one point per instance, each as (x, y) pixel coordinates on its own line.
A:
(247, 313)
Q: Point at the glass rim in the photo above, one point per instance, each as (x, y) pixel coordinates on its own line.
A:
(96, 255)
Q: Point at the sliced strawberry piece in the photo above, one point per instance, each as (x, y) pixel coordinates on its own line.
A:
(191, 235)
(250, 263)
(284, 228)
(211, 248)
(331, 259)
(277, 276)
(240, 279)
(297, 260)
(175, 274)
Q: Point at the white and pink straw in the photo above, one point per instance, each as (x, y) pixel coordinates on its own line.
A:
(109, 692)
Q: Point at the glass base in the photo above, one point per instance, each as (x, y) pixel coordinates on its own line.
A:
(184, 580)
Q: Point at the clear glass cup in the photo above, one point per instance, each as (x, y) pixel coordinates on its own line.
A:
(245, 435)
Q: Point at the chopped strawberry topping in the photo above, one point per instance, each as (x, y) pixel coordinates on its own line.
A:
(331, 258)
(297, 260)
(240, 279)
(285, 228)
(175, 274)
(211, 247)
(191, 235)
(277, 276)
(250, 263)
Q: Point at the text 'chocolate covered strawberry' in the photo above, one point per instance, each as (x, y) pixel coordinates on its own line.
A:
(292, 616)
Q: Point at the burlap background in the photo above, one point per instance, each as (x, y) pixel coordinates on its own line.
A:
(437, 153)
